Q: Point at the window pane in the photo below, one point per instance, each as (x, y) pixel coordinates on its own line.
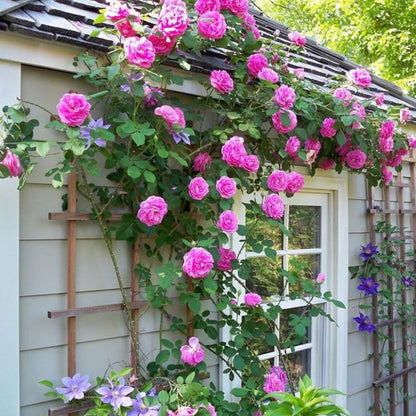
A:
(265, 278)
(257, 327)
(295, 327)
(307, 266)
(304, 225)
(260, 230)
(297, 364)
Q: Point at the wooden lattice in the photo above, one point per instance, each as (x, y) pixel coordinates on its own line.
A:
(397, 329)
(72, 312)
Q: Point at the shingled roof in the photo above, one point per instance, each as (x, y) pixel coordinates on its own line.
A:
(71, 22)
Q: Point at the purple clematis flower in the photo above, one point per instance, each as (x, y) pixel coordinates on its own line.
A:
(368, 251)
(408, 281)
(116, 394)
(131, 78)
(140, 409)
(368, 285)
(85, 132)
(364, 323)
(181, 136)
(75, 387)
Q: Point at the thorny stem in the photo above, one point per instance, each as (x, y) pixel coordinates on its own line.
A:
(109, 243)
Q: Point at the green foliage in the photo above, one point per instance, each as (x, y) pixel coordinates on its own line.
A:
(376, 34)
(311, 401)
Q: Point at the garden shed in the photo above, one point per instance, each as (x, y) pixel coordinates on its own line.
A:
(336, 214)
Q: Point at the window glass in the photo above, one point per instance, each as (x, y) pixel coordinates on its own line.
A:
(265, 277)
(305, 227)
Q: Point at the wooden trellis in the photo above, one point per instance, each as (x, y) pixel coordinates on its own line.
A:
(72, 312)
(397, 329)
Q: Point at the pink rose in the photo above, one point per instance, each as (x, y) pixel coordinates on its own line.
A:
(359, 77)
(356, 159)
(151, 96)
(252, 299)
(182, 411)
(320, 278)
(299, 73)
(344, 95)
(255, 63)
(221, 81)
(273, 206)
(284, 96)
(126, 29)
(173, 19)
(210, 408)
(327, 129)
(386, 142)
(161, 44)
(387, 175)
(296, 38)
(197, 262)
(295, 182)
(226, 187)
(227, 222)
(275, 381)
(198, 188)
(313, 147)
(238, 7)
(152, 210)
(173, 116)
(201, 161)
(116, 10)
(412, 141)
(212, 25)
(139, 51)
(379, 99)
(233, 151)
(282, 127)
(292, 146)
(202, 6)
(326, 164)
(73, 109)
(12, 162)
(192, 353)
(250, 163)
(249, 23)
(405, 115)
(268, 75)
(226, 257)
(277, 181)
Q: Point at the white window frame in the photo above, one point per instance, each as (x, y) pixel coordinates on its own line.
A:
(336, 346)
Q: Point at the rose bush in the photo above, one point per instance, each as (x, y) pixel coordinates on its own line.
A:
(171, 173)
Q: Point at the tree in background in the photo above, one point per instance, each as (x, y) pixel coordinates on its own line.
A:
(379, 34)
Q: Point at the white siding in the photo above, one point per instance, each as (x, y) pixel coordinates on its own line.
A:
(9, 260)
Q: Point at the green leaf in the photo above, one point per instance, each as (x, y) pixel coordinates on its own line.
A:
(46, 383)
(112, 71)
(137, 89)
(4, 171)
(165, 281)
(42, 148)
(97, 95)
(285, 119)
(138, 139)
(238, 362)
(163, 397)
(347, 120)
(134, 172)
(162, 357)
(194, 304)
(57, 181)
(239, 392)
(340, 137)
(149, 176)
(163, 153)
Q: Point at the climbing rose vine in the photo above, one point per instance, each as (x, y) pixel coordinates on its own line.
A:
(176, 165)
